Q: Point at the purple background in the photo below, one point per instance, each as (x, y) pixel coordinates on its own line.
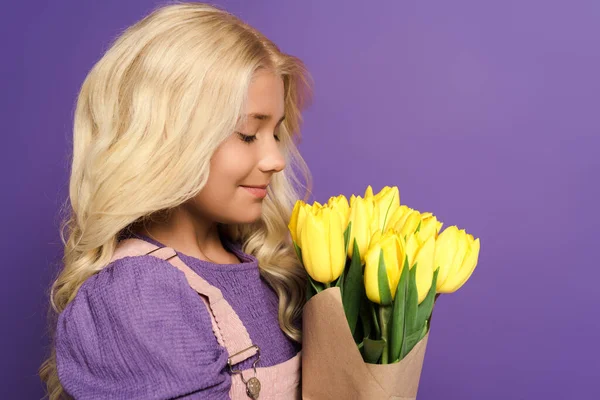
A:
(485, 113)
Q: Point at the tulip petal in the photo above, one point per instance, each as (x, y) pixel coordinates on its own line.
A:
(424, 260)
(293, 225)
(361, 211)
(465, 271)
(459, 255)
(371, 273)
(445, 249)
(336, 244)
(315, 252)
(302, 211)
(411, 223)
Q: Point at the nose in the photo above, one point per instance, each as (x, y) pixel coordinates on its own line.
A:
(271, 159)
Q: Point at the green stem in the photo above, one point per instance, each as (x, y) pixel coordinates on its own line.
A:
(384, 318)
(374, 319)
(327, 285)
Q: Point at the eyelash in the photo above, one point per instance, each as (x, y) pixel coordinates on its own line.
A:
(251, 138)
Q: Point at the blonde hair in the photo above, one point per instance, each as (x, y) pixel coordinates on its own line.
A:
(149, 116)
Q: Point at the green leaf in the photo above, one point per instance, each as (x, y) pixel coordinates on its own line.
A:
(298, 253)
(426, 307)
(410, 317)
(347, 236)
(359, 333)
(372, 350)
(352, 292)
(317, 286)
(310, 290)
(385, 313)
(374, 320)
(363, 324)
(365, 316)
(424, 331)
(385, 297)
(340, 281)
(398, 315)
(312, 287)
(412, 340)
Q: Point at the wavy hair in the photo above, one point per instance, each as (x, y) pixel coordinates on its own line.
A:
(149, 116)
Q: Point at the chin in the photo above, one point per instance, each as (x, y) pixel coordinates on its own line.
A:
(249, 216)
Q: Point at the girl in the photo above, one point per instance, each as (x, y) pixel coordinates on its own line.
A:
(179, 279)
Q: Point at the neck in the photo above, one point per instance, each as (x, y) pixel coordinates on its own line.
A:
(187, 233)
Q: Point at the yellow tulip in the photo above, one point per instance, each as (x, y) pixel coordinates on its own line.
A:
(456, 254)
(293, 224)
(340, 204)
(297, 219)
(408, 224)
(430, 226)
(467, 267)
(361, 220)
(400, 214)
(322, 244)
(393, 256)
(421, 254)
(386, 202)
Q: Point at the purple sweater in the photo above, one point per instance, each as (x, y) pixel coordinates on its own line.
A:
(137, 330)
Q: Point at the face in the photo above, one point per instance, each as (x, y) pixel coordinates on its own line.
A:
(243, 165)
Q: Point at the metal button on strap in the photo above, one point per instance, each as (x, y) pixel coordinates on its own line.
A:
(252, 384)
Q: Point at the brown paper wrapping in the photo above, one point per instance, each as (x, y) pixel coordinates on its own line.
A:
(332, 366)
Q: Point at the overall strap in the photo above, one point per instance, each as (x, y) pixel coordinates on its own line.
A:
(227, 326)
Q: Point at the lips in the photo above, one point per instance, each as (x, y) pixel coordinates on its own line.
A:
(257, 191)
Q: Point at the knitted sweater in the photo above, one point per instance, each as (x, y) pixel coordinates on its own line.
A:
(137, 330)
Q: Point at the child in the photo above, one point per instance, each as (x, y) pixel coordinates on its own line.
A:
(179, 279)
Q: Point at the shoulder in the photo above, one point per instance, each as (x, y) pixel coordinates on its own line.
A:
(136, 328)
(136, 287)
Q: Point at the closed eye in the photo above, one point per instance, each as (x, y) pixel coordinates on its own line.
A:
(251, 138)
(246, 138)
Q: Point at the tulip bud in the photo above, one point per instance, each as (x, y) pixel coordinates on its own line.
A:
(456, 254)
(340, 204)
(389, 245)
(409, 224)
(387, 201)
(361, 229)
(400, 214)
(322, 244)
(297, 220)
(430, 226)
(421, 255)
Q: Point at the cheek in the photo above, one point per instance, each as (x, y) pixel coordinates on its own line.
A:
(224, 167)
(227, 205)
(222, 199)
(231, 162)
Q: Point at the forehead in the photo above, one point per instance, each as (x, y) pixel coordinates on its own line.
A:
(265, 94)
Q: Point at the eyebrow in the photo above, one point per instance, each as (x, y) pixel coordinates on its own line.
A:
(265, 117)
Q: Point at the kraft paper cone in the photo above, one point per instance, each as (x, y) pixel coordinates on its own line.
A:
(332, 367)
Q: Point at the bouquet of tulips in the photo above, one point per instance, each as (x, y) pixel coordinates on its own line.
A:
(375, 270)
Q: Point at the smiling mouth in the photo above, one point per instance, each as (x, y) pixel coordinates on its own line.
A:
(257, 191)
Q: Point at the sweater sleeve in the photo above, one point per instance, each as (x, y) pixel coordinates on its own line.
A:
(136, 330)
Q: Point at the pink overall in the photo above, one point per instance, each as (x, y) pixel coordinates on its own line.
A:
(281, 381)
